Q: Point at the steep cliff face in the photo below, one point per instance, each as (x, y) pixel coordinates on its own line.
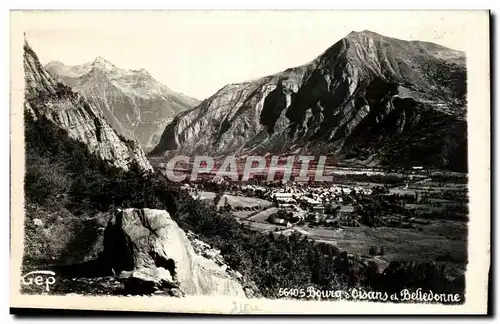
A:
(47, 98)
(368, 99)
(135, 104)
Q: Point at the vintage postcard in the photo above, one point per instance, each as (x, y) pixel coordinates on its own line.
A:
(251, 162)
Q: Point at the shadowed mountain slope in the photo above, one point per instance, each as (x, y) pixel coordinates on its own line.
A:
(368, 99)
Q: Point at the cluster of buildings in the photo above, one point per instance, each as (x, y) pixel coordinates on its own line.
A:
(316, 205)
(299, 203)
(312, 197)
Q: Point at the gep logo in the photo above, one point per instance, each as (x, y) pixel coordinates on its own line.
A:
(39, 278)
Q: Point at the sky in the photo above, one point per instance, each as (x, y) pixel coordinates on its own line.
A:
(199, 52)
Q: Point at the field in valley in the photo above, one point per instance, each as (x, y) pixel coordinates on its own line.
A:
(439, 206)
(242, 201)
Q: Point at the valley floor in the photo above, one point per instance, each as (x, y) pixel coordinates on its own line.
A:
(427, 201)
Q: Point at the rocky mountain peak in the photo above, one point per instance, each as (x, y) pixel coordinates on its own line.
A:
(136, 105)
(364, 33)
(102, 63)
(46, 98)
(373, 41)
(365, 99)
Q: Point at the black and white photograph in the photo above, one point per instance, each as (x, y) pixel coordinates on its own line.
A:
(250, 162)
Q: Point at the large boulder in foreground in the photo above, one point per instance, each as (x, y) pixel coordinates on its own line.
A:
(148, 249)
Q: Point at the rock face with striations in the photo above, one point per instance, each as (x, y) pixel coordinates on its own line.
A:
(135, 104)
(147, 247)
(47, 98)
(368, 99)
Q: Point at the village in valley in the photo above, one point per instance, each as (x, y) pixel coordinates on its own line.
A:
(345, 174)
(375, 215)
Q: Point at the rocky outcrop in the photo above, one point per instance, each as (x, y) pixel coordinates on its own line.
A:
(149, 252)
(49, 99)
(368, 98)
(136, 105)
(205, 250)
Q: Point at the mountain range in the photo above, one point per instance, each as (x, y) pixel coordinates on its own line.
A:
(367, 100)
(96, 213)
(135, 104)
(48, 99)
